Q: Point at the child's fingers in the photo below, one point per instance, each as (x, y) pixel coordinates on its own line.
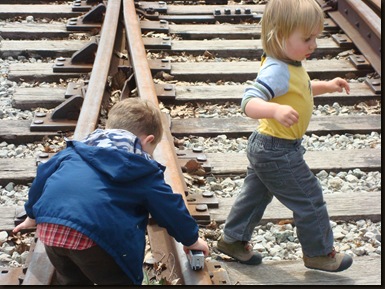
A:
(17, 228)
(346, 86)
(343, 84)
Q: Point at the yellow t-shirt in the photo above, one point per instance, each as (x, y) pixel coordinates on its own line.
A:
(283, 83)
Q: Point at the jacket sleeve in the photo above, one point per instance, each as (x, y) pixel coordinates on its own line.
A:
(170, 212)
(44, 171)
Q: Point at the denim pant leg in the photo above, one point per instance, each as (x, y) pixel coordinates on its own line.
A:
(248, 208)
(281, 167)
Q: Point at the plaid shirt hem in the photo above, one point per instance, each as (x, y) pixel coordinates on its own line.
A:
(62, 236)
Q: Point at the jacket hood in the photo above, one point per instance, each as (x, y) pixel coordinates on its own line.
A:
(116, 153)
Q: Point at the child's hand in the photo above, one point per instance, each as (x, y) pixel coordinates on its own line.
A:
(200, 245)
(28, 223)
(286, 115)
(338, 84)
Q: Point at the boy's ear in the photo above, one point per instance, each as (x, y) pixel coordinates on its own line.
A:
(147, 139)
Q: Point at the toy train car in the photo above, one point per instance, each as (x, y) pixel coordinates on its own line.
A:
(196, 259)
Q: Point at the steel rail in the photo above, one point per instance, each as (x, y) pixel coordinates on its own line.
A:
(164, 153)
(89, 114)
(363, 25)
(375, 5)
(40, 270)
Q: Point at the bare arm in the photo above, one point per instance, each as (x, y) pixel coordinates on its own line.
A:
(258, 108)
(336, 84)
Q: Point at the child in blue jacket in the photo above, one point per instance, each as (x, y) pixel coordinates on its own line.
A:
(91, 201)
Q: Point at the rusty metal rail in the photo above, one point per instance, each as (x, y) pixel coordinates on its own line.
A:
(89, 115)
(361, 21)
(164, 153)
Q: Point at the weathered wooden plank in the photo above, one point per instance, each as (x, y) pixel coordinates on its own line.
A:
(228, 31)
(28, 98)
(37, 72)
(209, 9)
(33, 97)
(18, 131)
(186, 31)
(23, 170)
(37, 11)
(24, 2)
(46, 48)
(196, 31)
(24, 31)
(341, 206)
(222, 48)
(7, 217)
(199, 71)
(366, 270)
(245, 126)
(223, 30)
(17, 31)
(19, 171)
(359, 92)
(247, 48)
(338, 160)
(243, 71)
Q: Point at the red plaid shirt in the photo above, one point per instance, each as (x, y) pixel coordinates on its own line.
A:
(62, 236)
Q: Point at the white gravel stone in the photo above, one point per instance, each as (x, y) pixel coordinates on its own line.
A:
(3, 237)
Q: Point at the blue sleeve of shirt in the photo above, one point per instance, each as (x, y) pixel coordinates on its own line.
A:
(170, 212)
(44, 171)
(272, 81)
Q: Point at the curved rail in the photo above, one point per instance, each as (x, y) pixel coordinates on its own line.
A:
(362, 24)
(89, 115)
(164, 153)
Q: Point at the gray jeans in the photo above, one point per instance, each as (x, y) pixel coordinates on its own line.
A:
(277, 168)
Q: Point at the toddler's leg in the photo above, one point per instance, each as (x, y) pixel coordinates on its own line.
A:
(244, 215)
(248, 208)
(295, 186)
(298, 189)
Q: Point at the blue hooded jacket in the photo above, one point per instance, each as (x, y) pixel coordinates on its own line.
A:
(105, 187)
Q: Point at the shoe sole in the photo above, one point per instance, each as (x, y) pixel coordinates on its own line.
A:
(254, 260)
(345, 264)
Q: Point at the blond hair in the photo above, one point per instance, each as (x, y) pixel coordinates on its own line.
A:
(137, 116)
(282, 17)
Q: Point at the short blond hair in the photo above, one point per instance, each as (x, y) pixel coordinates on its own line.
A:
(282, 17)
(137, 116)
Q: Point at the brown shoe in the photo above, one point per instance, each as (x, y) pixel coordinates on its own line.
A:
(333, 262)
(242, 251)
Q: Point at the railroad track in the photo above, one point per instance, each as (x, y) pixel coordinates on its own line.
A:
(78, 42)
